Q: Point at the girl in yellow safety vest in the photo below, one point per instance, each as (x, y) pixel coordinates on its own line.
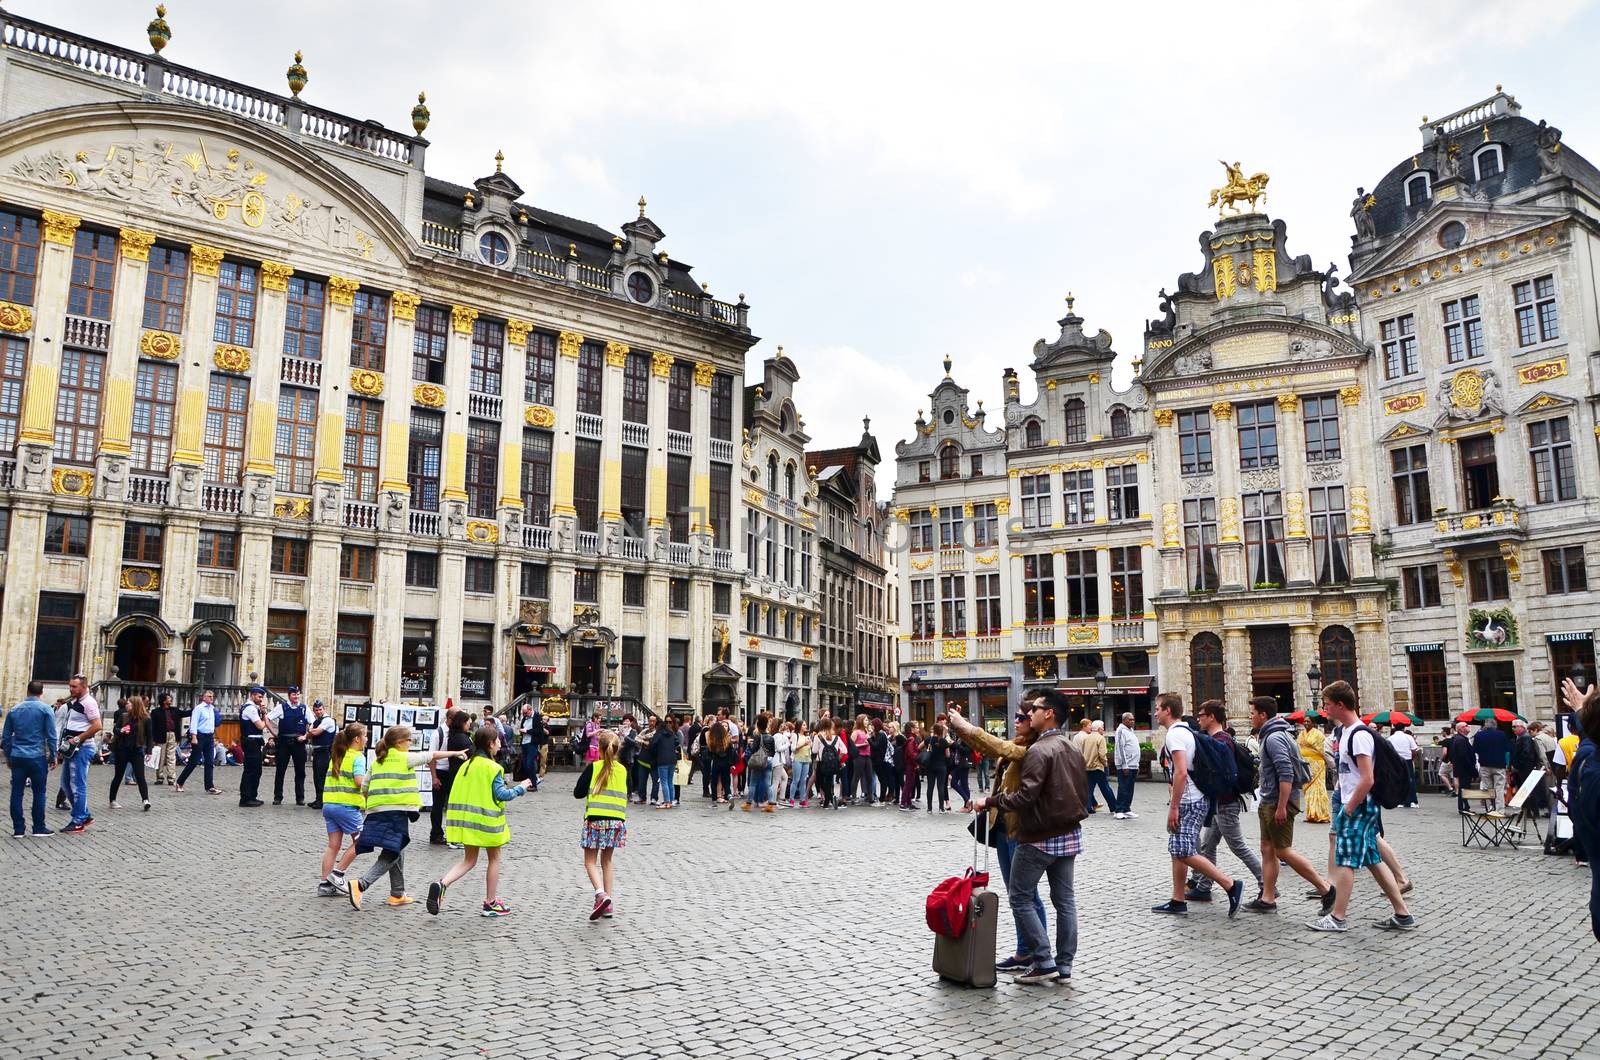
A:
(604, 783)
(343, 795)
(475, 817)
(393, 802)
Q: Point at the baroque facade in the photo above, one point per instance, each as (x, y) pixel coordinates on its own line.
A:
(1473, 271)
(277, 403)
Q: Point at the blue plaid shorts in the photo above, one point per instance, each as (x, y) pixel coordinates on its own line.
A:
(1355, 836)
(1185, 842)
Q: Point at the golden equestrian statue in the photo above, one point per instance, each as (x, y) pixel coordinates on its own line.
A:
(1238, 189)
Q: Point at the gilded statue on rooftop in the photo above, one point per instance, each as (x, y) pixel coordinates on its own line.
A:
(1239, 188)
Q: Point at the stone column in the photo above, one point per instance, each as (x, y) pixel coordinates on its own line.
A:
(563, 516)
(447, 633)
(322, 602)
(502, 654)
(1302, 653)
(1225, 460)
(1102, 575)
(1358, 496)
(254, 594)
(656, 599)
(337, 324)
(101, 585)
(700, 469)
(701, 641)
(122, 360)
(1171, 577)
(611, 440)
(37, 433)
(23, 570)
(656, 495)
(1292, 464)
(396, 386)
(1236, 668)
(458, 362)
(260, 464)
(1372, 664)
(388, 624)
(1094, 408)
(180, 543)
(513, 387)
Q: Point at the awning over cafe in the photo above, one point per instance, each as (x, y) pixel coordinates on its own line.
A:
(535, 658)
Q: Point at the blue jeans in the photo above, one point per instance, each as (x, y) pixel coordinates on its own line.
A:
(1005, 851)
(1097, 779)
(666, 775)
(1125, 779)
(1028, 865)
(758, 785)
(28, 771)
(200, 750)
(802, 777)
(78, 791)
(530, 762)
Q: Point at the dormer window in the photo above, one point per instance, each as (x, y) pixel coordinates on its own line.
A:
(1419, 189)
(788, 480)
(1119, 423)
(950, 462)
(1032, 435)
(641, 288)
(1488, 161)
(493, 249)
(1077, 421)
(772, 473)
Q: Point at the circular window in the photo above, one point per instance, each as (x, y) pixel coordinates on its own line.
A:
(949, 416)
(641, 288)
(1453, 235)
(493, 249)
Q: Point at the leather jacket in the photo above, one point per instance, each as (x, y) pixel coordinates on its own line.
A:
(1052, 796)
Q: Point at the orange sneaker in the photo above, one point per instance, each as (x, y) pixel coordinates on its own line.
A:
(404, 899)
(769, 808)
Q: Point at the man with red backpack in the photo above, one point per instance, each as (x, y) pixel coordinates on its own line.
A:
(1213, 720)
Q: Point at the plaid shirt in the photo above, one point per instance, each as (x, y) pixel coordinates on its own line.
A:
(1068, 844)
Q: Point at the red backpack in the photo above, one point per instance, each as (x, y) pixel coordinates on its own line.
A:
(951, 902)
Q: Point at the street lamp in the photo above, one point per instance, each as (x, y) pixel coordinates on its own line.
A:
(1100, 692)
(1314, 679)
(1580, 677)
(202, 647)
(422, 668)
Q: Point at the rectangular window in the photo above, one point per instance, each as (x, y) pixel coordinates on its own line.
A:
(289, 556)
(632, 670)
(78, 395)
(302, 318)
(141, 543)
(166, 282)
(722, 508)
(1039, 589)
(423, 459)
(1077, 497)
(805, 559)
(19, 258)
(922, 609)
(1488, 578)
(986, 605)
(1081, 579)
(586, 585)
(678, 671)
(477, 653)
(788, 553)
(422, 570)
(1076, 422)
(680, 396)
(1463, 329)
(295, 439)
(358, 563)
(1430, 693)
(1564, 570)
(1537, 320)
(953, 605)
(363, 443)
(1420, 586)
(286, 634)
(1035, 491)
(924, 474)
(94, 271)
(1200, 543)
(483, 467)
(1413, 502)
(1194, 441)
(591, 377)
(227, 412)
(635, 488)
(352, 655)
(535, 581)
(950, 526)
(66, 535)
(1330, 546)
(722, 599)
(586, 483)
(479, 575)
(539, 373)
(155, 398)
(1480, 470)
(236, 304)
(57, 634)
(417, 656)
(1399, 339)
(1127, 581)
(430, 342)
(678, 496)
(633, 588)
(1263, 538)
(678, 594)
(536, 456)
(1122, 492)
(219, 549)
(921, 524)
(369, 330)
(13, 378)
(1258, 434)
(985, 525)
(1550, 446)
(722, 406)
(636, 387)
(1320, 414)
(488, 356)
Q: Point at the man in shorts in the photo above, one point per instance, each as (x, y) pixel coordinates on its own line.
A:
(1186, 813)
(1355, 827)
(1280, 804)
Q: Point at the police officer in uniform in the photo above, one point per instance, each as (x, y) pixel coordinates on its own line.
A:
(253, 738)
(290, 728)
(320, 740)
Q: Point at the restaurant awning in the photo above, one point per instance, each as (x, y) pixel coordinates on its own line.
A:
(1084, 686)
(535, 658)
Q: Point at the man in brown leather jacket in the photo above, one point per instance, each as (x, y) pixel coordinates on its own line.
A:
(1050, 804)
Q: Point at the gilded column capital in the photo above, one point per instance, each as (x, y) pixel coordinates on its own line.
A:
(1288, 402)
(403, 304)
(616, 354)
(1350, 395)
(568, 343)
(1222, 410)
(661, 364)
(342, 291)
(207, 260)
(61, 227)
(1360, 511)
(704, 373)
(136, 244)
(275, 275)
(1163, 417)
(462, 318)
(517, 331)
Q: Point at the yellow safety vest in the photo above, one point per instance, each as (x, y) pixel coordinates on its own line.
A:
(473, 816)
(610, 800)
(392, 784)
(341, 789)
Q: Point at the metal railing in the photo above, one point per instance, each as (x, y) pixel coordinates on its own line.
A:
(87, 333)
(536, 537)
(147, 489)
(299, 371)
(221, 500)
(441, 237)
(422, 524)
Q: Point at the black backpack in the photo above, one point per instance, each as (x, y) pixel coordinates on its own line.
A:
(1246, 767)
(828, 764)
(1213, 770)
(1391, 780)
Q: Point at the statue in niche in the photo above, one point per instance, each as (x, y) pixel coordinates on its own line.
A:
(394, 511)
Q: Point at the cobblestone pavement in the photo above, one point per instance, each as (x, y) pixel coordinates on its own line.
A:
(192, 930)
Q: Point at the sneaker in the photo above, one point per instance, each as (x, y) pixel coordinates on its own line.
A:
(213, 791)
(42, 833)
(1171, 908)
(1327, 923)
(1119, 816)
(178, 788)
(1129, 815)
(147, 806)
(1261, 905)
(1329, 899)
(1396, 923)
(1035, 973)
(769, 808)
(355, 894)
(602, 905)
(74, 829)
(1195, 894)
(1063, 975)
(1235, 896)
(435, 898)
(495, 908)
(399, 899)
(250, 804)
(19, 835)
(805, 804)
(327, 890)
(455, 846)
(610, 913)
(1012, 964)
(61, 801)
(116, 805)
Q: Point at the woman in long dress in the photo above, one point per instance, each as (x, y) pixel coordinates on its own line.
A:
(1316, 793)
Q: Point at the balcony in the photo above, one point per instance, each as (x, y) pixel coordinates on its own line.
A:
(221, 500)
(587, 425)
(541, 264)
(722, 558)
(147, 489)
(680, 552)
(921, 651)
(593, 277)
(1501, 521)
(359, 515)
(952, 559)
(423, 524)
(8, 474)
(588, 543)
(635, 434)
(680, 442)
(536, 537)
(86, 333)
(632, 547)
(441, 237)
(298, 371)
(722, 450)
(986, 648)
(483, 406)
(1130, 631)
(1039, 636)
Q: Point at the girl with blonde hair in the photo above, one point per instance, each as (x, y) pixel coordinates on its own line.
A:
(603, 783)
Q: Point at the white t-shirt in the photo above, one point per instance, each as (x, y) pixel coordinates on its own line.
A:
(1404, 744)
(1355, 742)
(1181, 738)
(80, 720)
(785, 748)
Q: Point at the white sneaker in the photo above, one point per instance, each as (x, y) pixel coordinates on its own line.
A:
(1130, 816)
(1119, 816)
(116, 805)
(1328, 923)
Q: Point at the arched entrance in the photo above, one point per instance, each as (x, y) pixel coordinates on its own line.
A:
(213, 651)
(137, 655)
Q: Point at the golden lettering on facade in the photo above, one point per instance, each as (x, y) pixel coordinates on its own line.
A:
(1403, 403)
(1542, 372)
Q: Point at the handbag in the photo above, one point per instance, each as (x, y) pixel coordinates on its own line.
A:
(760, 759)
(924, 758)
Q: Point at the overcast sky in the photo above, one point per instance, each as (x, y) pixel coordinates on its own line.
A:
(888, 183)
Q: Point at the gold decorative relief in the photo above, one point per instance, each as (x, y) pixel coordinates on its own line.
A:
(1163, 417)
(517, 331)
(1171, 529)
(921, 564)
(162, 345)
(1222, 273)
(62, 228)
(988, 559)
(141, 579)
(483, 531)
(1003, 506)
(15, 318)
(1360, 514)
(342, 291)
(135, 244)
(404, 305)
(954, 649)
(70, 482)
(275, 275)
(661, 364)
(230, 358)
(428, 395)
(568, 343)
(1403, 403)
(1288, 402)
(616, 354)
(207, 260)
(366, 382)
(1228, 519)
(462, 318)
(1266, 269)
(1222, 410)
(1083, 634)
(1466, 390)
(539, 416)
(291, 507)
(1294, 513)
(1350, 395)
(704, 373)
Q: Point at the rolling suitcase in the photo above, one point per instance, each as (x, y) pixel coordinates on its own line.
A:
(970, 958)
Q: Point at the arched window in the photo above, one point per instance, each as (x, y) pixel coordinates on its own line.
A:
(1419, 189)
(1077, 422)
(1205, 665)
(788, 480)
(1488, 161)
(1119, 423)
(1032, 435)
(772, 472)
(1339, 656)
(786, 419)
(950, 462)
